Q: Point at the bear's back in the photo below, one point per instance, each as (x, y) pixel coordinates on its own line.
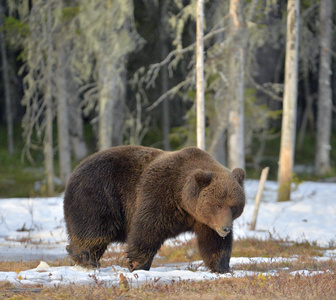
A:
(122, 160)
(116, 170)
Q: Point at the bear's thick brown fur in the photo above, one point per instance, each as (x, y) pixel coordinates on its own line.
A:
(143, 196)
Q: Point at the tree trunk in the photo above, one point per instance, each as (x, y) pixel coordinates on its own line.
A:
(218, 143)
(289, 102)
(76, 131)
(48, 138)
(63, 117)
(308, 116)
(5, 75)
(236, 152)
(105, 109)
(200, 76)
(111, 104)
(164, 77)
(324, 116)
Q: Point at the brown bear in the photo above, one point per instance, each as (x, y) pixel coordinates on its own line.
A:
(143, 196)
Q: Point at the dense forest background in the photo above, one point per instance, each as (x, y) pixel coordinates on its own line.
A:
(79, 76)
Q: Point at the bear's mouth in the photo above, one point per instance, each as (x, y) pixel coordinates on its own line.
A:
(222, 233)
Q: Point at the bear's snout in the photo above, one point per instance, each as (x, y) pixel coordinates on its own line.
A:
(227, 229)
(224, 231)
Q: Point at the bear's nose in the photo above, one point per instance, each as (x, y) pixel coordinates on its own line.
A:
(227, 228)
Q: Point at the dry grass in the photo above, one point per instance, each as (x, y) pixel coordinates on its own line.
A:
(282, 286)
(273, 248)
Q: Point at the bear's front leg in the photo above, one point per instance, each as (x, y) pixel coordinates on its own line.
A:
(215, 250)
(141, 248)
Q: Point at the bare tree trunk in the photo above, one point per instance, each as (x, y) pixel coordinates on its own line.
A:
(119, 103)
(164, 78)
(5, 75)
(76, 131)
(289, 103)
(63, 117)
(105, 109)
(48, 138)
(324, 117)
(308, 115)
(111, 104)
(200, 76)
(218, 144)
(217, 147)
(236, 152)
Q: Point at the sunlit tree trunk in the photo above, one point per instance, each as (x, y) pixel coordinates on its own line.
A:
(236, 153)
(200, 76)
(288, 129)
(5, 76)
(324, 116)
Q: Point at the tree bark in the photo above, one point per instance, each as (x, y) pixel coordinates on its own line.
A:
(76, 131)
(111, 104)
(63, 117)
(200, 76)
(236, 152)
(164, 77)
(48, 138)
(5, 75)
(289, 103)
(218, 144)
(324, 116)
(308, 116)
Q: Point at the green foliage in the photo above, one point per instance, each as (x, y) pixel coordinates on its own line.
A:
(15, 26)
(69, 13)
(16, 31)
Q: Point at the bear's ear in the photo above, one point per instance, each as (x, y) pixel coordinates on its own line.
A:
(239, 174)
(202, 178)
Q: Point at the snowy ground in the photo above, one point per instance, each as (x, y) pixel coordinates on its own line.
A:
(33, 229)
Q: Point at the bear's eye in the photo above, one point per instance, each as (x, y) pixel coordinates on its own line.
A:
(218, 207)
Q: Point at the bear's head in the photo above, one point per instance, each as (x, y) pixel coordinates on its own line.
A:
(215, 198)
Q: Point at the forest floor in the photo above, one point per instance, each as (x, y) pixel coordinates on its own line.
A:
(303, 272)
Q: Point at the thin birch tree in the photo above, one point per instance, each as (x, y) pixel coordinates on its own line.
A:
(236, 152)
(324, 105)
(288, 129)
(200, 76)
